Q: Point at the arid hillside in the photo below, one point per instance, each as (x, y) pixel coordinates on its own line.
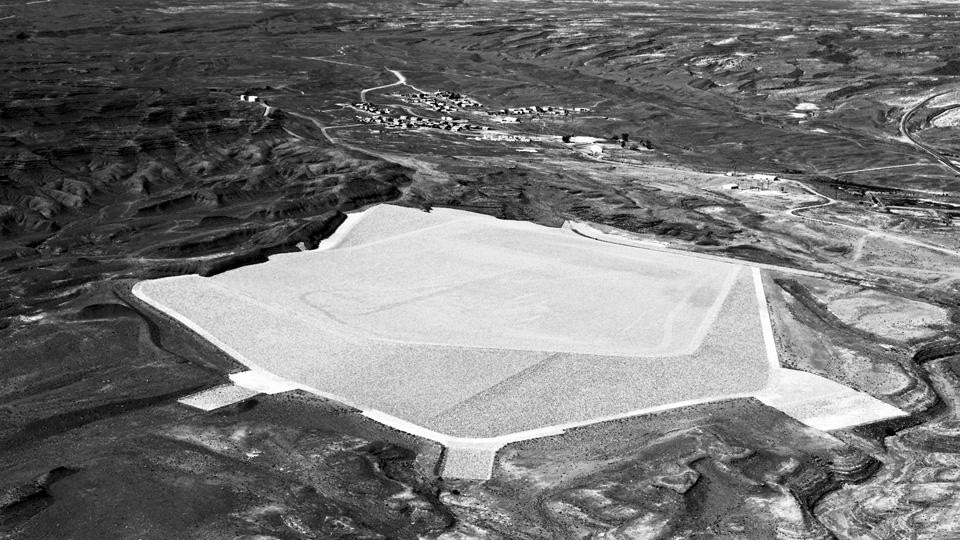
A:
(817, 136)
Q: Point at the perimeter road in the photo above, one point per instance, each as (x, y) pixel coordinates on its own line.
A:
(587, 231)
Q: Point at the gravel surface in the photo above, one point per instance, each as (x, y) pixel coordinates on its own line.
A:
(477, 327)
(217, 397)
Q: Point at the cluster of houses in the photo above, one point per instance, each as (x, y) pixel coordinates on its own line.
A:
(494, 136)
(371, 108)
(447, 123)
(443, 101)
(538, 110)
(446, 101)
(751, 181)
(511, 115)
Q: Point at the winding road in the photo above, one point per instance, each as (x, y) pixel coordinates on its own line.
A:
(420, 168)
(950, 165)
(401, 81)
(795, 212)
(325, 129)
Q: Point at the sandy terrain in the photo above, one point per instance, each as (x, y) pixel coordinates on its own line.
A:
(890, 316)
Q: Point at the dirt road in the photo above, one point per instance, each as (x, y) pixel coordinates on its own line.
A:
(795, 212)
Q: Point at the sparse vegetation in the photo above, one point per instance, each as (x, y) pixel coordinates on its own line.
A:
(125, 154)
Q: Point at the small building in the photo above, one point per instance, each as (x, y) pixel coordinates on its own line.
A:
(730, 186)
(509, 120)
(249, 99)
(595, 149)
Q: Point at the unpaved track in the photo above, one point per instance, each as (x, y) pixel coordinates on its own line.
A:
(401, 81)
(323, 59)
(586, 232)
(869, 169)
(795, 212)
